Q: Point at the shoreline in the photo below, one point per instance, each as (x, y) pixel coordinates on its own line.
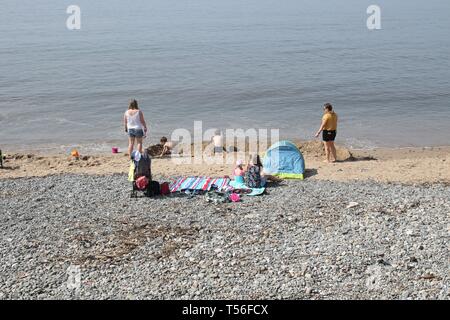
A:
(104, 148)
(402, 165)
(56, 150)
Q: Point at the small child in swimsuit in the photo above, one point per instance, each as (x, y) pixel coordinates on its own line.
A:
(167, 147)
(239, 170)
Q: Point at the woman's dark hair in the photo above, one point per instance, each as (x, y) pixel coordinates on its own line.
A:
(133, 105)
(328, 106)
(259, 163)
(256, 160)
(163, 140)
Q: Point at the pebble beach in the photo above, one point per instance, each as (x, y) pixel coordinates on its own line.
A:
(307, 239)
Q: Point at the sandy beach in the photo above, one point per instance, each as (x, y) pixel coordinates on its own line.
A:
(402, 165)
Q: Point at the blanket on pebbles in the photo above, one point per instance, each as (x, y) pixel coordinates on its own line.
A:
(205, 184)
(199, 184)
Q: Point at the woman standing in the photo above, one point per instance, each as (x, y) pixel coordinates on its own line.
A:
(328, 129)
(135, 126)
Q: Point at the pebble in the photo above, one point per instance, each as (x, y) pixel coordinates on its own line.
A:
(352, 205)
(292, 243)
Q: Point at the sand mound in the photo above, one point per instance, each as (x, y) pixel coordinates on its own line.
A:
(155, 150)
(308, 148)
(315, 149)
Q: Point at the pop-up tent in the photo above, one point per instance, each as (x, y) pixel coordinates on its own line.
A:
(284, 159)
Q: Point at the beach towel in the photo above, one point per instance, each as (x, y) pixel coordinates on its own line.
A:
(237, 185)
(199, 184)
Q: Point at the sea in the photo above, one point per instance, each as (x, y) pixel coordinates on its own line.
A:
(261, 64)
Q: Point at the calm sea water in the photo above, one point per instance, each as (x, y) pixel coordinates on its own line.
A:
(229, 63)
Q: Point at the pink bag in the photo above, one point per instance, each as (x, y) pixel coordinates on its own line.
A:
(234, 197)
(142, 183)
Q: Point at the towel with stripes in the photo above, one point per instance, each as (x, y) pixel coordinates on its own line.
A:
(199, 184)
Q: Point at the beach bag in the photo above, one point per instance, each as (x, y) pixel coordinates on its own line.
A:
(142, 183)
(253, 177)
(234, 197)
(142, 167)
(154, 189)
(165, 190)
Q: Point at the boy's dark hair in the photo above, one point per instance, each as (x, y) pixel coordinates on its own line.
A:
(328, 106)
(163, 140)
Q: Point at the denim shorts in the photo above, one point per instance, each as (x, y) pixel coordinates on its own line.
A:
(135, 133)
(218, 149)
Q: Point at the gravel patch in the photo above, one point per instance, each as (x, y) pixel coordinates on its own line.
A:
(303, 240)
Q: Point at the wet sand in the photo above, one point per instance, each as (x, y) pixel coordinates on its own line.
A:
(403, 165)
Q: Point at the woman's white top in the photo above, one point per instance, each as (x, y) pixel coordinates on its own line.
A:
(134, 121)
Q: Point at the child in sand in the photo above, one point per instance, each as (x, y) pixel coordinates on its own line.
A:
(167, 147)
(218, 142)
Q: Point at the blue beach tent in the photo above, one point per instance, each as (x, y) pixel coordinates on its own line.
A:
(284, 159)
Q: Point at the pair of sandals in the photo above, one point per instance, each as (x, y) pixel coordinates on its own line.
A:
(217, 197)
(192, 193)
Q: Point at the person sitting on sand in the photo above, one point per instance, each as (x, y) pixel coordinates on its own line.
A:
(135, 126)
(218, 142)
(328, 129)
(254, 174)
(167, 147)
(239, 169)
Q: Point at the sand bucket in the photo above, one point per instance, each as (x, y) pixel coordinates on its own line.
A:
(115, 150)
(74, 153)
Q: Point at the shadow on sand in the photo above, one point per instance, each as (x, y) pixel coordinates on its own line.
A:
(9, 168)
(310, 173)
(357, 159)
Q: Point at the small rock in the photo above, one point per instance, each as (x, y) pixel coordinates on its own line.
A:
(352, 205)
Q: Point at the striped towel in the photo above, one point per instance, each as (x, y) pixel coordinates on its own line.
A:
(199, 184)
